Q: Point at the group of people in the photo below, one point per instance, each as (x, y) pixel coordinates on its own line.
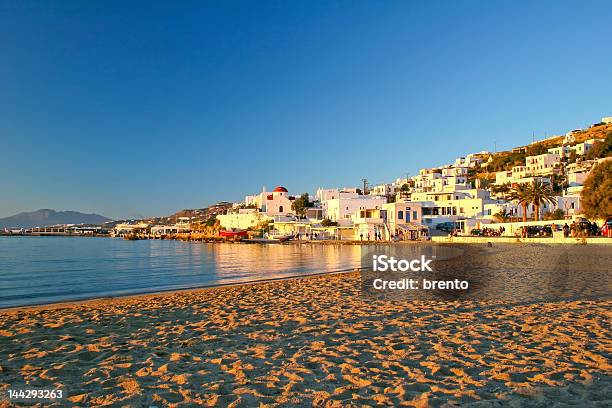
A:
(308, 236)
(582, 229)
(490, 232)
(377, 236)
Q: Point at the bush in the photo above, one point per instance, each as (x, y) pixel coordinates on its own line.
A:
(558, 214)
(329, 223)
(597, 191)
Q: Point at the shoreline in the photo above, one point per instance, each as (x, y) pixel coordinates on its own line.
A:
(440, 239)
(195, 289)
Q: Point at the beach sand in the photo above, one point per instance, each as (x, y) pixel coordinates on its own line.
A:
(311, 341)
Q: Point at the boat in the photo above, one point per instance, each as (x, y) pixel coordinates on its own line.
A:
(233, 233)
(271, 238)
(278, 236)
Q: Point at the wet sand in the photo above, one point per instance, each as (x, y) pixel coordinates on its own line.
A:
(310, 341)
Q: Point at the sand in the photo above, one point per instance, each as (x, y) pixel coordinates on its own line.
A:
(312, 341)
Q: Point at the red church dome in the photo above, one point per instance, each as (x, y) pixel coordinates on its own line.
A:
(280, 189)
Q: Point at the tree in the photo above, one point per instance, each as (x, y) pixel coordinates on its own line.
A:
(536, 149)
(501, 189)
(597, 191)
(483, 182)
(558, 183)
(540, 193)
(328, 223)
(558, 214)
(211, 221)
(502, 216)
(521, 193)
(299, 205)
(601, 149)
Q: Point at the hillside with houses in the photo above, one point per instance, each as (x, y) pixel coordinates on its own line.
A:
(540, 183)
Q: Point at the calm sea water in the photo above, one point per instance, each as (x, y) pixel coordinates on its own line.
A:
(36, 270)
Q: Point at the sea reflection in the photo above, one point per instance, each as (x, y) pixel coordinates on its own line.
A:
(37, 270)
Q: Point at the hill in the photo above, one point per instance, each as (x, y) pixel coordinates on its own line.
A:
(46, 217)
(196, 215)
(505, 160)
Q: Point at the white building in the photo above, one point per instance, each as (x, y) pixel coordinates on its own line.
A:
(386, 189)
(580, 148)
(368, 225)
(404, 219)
(242, 219)
(324, 194)
(271, 203)
(542, 164)
(469, 161)
(606, 120)
(452, 206)
(341, 209)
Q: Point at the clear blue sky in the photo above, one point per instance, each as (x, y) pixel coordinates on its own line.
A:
(138, 108)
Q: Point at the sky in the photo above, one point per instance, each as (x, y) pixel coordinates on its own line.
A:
(142, 108)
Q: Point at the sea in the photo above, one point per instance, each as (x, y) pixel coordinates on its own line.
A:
(42, 270)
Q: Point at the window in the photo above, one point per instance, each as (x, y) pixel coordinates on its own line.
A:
(414, 215)
(400, 215)
(280, 208)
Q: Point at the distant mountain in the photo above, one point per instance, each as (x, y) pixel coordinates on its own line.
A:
(45, 217)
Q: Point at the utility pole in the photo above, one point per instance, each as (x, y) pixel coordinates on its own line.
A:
(365, 186)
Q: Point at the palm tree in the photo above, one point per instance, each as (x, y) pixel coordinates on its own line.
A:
(521, 192)
(540, 193)
(502, 216)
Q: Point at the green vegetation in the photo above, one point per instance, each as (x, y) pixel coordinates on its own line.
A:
(540, 193)
(601, 149)
(536, 149)
(329, 223)
(506, 160)
(211, 221)
(522, 194)
(558, 214)
(536, 193)
(503, 189)
(299, 205)
(597, 191)
(502, 216)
